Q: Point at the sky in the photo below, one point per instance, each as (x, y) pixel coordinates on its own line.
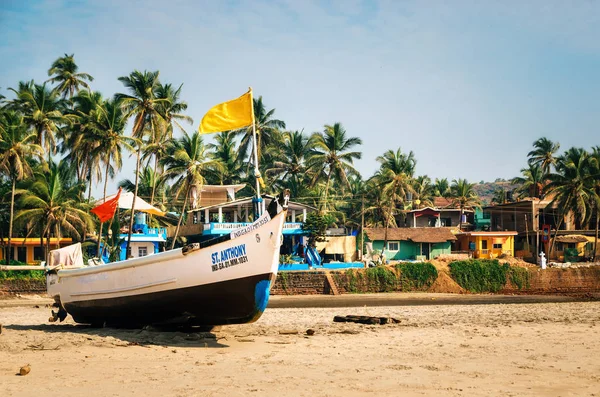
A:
(468, 86)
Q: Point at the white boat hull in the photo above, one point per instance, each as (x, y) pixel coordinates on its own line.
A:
(225, 283)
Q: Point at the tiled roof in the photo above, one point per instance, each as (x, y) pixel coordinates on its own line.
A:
(441, 202)
(572, 238)
(414, 234)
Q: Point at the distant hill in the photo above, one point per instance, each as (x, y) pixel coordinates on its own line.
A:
(486, 190)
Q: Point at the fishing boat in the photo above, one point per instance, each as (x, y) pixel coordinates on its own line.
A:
(225, 280)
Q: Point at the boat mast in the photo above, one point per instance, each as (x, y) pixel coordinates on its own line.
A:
(258, 199)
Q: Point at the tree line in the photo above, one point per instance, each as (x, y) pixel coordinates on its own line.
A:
(60, 138)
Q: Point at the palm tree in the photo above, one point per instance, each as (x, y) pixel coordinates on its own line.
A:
(331, 155)
(42, 111)
(108, 132)
(394, 178)
(147, 179)
(81, 143)
(266, 127)
(49, 200)
(423, 192)
(290, 158)
(187, 162)
(572, 188)
(142, 104)
(16, 147)
(168, 115)
(64, 72)
(543, 154)
(499, 196)
(224, 151)
(441, 187)
(463, 196)
(531, 184)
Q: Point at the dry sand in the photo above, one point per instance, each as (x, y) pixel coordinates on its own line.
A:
(548, 349)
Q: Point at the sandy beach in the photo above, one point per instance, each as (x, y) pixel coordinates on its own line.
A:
(548, 349)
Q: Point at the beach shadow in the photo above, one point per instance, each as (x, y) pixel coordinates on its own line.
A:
(166, 336)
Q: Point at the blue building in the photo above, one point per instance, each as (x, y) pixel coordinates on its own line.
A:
(144, 240)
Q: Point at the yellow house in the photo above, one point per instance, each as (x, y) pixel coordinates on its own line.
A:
(30, 249)
(568, 247)
(487, 244)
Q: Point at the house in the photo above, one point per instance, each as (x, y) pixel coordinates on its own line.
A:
(532, 219)
(144, 240)
(31, 249)
(411, 243)
(439, 217)
(487, 244)
(573, 247)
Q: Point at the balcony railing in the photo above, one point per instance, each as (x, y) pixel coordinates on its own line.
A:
(226, 227)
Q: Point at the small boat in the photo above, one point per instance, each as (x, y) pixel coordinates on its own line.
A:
(225, 280)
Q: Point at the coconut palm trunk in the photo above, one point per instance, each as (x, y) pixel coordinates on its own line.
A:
(560, 222)
(47, 243)
(187, 193)
(57, 234)
(101, 223)
(10, 223)
(90, 185)
(137, 179)
(154, 181)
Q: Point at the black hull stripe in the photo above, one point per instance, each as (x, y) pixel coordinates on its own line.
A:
(225, 302)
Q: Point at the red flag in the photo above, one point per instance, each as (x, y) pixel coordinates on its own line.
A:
(106, 210)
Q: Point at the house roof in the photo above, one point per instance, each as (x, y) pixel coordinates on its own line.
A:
(222, 188)
(572, 238)
(414, 234)
(430, 210)
(441, 202)
(489, 234)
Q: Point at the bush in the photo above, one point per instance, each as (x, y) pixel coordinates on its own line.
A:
(416, 275)
(479, 275)
(381, 279)
(519, 277)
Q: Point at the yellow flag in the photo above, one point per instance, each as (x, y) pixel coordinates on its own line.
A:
(229, 115)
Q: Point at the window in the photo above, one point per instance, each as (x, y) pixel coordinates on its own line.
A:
(571, 245)
(447, 222)
(393, 245)
(38, 254)
(497, 246)
(22, 254)
(484, 244)
(142, 251)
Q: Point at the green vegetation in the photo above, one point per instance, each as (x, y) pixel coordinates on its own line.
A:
(284, 280)
(61, 137)
(315, 226)
(381, 279)
(479, 275)
(519, 277)
(416, 275)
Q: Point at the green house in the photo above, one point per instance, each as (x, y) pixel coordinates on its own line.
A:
(411, 243)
